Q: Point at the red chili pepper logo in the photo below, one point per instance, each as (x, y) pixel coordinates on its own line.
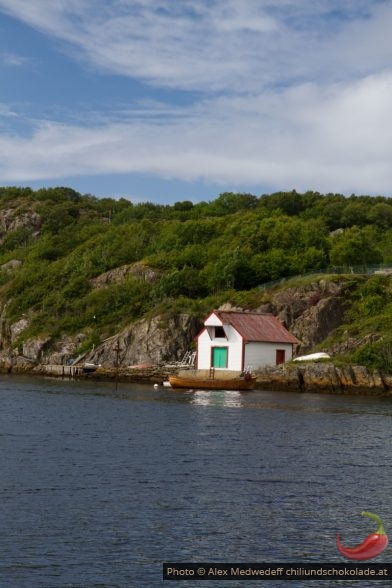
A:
(372, 546)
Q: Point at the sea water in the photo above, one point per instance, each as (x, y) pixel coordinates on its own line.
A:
(102, 483)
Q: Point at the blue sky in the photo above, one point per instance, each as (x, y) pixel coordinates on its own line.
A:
(167, 100)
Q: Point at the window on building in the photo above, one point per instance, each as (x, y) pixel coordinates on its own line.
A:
(220, 333)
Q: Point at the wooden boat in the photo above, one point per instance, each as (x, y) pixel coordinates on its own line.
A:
(247, 382)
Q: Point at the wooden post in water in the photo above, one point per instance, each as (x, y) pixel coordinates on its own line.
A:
(117, 350)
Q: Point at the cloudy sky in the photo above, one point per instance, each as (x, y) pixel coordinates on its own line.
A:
(167, 100)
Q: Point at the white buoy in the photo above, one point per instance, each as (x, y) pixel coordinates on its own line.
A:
(156, 386)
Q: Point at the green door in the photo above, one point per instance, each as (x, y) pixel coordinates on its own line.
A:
(219, 357)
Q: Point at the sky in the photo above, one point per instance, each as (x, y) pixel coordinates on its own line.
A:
(170, 100)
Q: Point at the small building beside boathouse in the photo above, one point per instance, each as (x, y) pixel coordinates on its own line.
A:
(237, 341)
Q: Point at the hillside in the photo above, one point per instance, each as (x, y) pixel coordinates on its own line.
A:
(76, 270)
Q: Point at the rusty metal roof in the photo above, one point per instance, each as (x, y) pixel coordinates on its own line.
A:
(253, 326)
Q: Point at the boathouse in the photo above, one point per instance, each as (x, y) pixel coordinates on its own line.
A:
(243, 340)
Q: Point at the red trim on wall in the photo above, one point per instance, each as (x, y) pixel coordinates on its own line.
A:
(208, 316)
(200, 334)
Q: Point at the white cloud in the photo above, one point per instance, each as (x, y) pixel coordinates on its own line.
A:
(12, 60)
(310, 137)
(297, 96)
(6, 111)
(215, 44)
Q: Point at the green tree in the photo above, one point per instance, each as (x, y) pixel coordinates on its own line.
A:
(355, 213)
(381, 215)
(291, 203)
(270, 265)
(60, 216)
(17, 238)
(355, 247)
(229, 203)
(184, 282)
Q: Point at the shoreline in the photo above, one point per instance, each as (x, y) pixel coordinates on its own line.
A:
(154, 374)
(314, 377)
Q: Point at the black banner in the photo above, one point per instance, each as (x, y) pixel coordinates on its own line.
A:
(276, 571)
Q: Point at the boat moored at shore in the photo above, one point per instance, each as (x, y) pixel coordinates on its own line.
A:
(199, 379)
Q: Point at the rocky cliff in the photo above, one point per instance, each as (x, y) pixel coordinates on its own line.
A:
(118, 275)
(325, 377)
(310, 312)
(156, 340)
(12, 219)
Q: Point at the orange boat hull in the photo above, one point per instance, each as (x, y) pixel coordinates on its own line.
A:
(212, 383)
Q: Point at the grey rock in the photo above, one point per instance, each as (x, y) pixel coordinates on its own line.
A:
(119, 274)
(11, 265)
(157, 340)
(34, 348)
(64, 350)
(325, 377)
(16, 329)
(12, 219)
(310, 312)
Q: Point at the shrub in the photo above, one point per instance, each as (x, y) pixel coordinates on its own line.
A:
(375, 355)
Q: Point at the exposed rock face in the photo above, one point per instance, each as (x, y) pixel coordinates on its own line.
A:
(351, 343)
(5, 332)
(64, 350)
(310, 312)
(11, 265)
(17, 328)
(325, 377)
(279, 378)
(119, 274)
(317, 322)
(11, 219)
(157, 340)
(34, 348)
(47, 351)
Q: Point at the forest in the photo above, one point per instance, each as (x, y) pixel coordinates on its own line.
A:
(199, 255)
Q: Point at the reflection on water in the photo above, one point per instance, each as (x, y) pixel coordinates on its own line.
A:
(227, 398)
(266, 400)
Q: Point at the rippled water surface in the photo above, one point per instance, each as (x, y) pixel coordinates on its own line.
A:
(99, 486)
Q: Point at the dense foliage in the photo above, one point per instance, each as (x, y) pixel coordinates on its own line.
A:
(201, 254)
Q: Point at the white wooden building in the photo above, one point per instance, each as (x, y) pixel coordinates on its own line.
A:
(240, 340)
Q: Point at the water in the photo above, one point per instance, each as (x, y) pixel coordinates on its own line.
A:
(99, 486)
